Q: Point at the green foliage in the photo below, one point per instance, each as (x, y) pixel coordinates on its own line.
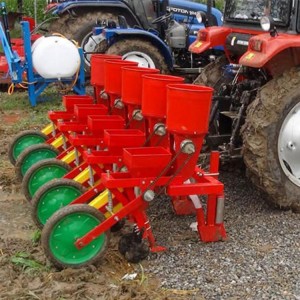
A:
(36, 236)
(219, 3)
(29, 265)
(28, 8)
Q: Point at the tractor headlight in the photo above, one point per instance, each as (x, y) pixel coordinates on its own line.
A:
(267, 23)
(199, 17)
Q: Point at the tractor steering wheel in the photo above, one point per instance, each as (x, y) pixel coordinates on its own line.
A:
(162, 18)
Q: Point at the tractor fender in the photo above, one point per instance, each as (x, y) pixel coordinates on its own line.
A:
(113, 35)
(65, 7)
(210, 37)
(270, 47)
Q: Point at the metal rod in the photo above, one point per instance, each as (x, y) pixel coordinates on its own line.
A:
(5, 23)
(35, 12)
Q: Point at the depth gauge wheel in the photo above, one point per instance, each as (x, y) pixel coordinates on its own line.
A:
(32, 155)
(22, 141)
(41, 173)
(52, 196)
(64, 228)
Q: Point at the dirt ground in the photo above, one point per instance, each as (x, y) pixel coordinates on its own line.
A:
(24, 271)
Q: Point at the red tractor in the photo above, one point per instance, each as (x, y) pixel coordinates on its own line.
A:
(256, 111)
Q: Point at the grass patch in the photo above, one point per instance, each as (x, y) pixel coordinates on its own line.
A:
(31, 117)
(28, 264)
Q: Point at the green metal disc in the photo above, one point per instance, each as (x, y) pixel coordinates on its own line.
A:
(43, 175)
(25, 142)
(65, 233)
(54, 199)
(36, 156)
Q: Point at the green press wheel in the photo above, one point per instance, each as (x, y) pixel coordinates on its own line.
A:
(22, 141)
(32, 155)
(64, 228)
(41, 173)
(52, 196)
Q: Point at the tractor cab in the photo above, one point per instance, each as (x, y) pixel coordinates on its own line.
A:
(245, 19)
(241, 13)
(148, 10)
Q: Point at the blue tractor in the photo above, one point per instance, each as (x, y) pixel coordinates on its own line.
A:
(76, 19)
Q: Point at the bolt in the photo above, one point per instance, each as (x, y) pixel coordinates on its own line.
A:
(291, 145)
(149, 195)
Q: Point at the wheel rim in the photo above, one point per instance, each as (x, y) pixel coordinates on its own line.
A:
(288, 145)
(67, 230)
(141, 58)
(54, 199)
(43, 175)
(25, 142)
(36, 156)
(90, 43)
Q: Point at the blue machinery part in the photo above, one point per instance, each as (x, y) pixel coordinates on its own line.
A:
(19, 70)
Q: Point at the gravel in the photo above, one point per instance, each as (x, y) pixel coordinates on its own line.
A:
(259, 260)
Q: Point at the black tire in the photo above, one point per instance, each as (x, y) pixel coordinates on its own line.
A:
(32, 180)
(50, 226)
(36, 152)
(126, 46)
(81, 27)
(265, 116)
(52, 188)
(35, 134)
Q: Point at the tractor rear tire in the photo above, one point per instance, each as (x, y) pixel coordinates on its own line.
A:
(275, 103)
(81, 28)
(141, 51)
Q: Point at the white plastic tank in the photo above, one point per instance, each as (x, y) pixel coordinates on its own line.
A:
(55, 57)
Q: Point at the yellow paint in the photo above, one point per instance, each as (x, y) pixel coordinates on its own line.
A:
(115, 210)
(48, 129)
(100, 200)
(70, 157)
(83, 176)
(58, 142)
(198, 44)
(250, 55)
